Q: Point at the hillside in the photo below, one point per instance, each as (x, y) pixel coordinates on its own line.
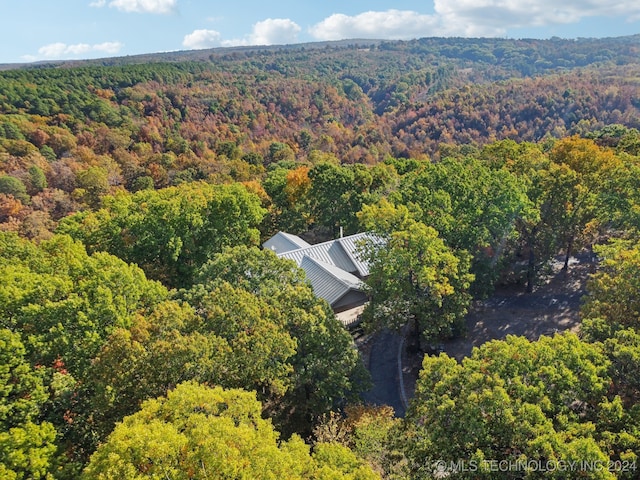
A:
(145, 334)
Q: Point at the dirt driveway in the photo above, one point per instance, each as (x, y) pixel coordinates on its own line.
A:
(553, 307)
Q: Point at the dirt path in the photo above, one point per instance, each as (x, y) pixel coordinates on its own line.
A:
(553, 307)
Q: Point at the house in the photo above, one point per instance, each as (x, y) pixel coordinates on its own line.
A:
(335, 270)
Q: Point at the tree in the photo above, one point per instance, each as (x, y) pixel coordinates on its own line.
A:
(552, 190)
(234, 342)
(14, 186)
(27, 446)
(512, 400)
(472, 206)
(37, 180)
(171, 232)
(326, 368)
(590, 163)
(197, 431)
(288, 191)
(612, 304)
(260, 345)
(94, 183)
(335, 199)
(265, 333)
(68, 301)
(278, 152)
(415, 277)
(372, 432)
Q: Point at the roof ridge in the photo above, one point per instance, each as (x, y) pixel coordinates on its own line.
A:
(326, 242)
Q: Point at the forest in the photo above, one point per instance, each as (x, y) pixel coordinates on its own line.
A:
(145, 334)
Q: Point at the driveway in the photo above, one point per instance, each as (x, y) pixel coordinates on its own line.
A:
(383, 366)
(553, 307)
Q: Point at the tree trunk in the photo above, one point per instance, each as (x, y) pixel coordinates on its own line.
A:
(531, 270)
(413, 345)
(565, 267)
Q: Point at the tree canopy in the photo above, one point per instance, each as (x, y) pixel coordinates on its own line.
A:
(197, 431)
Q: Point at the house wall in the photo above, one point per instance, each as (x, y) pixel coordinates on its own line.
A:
(350, 300)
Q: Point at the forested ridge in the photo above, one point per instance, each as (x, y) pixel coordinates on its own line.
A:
(144, 333)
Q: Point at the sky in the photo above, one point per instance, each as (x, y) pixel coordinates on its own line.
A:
(36, 30)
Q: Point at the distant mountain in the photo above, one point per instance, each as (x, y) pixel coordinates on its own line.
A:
(359, 100)
(188, 55)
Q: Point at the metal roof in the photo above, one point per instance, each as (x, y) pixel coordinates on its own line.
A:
(351, 245)
(284, 242)
(342, 253)
(330, 252)
(328, 281)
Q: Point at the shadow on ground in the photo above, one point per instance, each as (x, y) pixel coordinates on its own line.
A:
(553, 307)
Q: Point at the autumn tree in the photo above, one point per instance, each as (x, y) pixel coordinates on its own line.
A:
(590, 164)
(200, 431)
(288, 190)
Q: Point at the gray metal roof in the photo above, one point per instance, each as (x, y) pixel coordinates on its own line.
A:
(329, 252)
(284, 242)
(342, 253)
(328, 281)
(351, 245)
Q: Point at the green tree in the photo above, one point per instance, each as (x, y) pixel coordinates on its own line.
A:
(37, 180)
(143, 182)
(552, 190)
(209, 432)
(326, 367)
(27, 446)
(68, 301)
(612, 303)
(335, 197)
(14, 186)
(512, 400)
(472, 206)
(171, 232)
(373, 433)
(236, 341)
(279, 152)
(415, 277)
(265, 333)
(94, 183)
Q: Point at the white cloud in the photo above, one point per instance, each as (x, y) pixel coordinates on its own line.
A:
(501, 15)
(61, 51)
(275, 31)
(469, 18)
(391, 24)
(199, 39)
(272, 31)
(139, 6)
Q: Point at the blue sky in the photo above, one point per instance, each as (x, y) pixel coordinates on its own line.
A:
(34, 30)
